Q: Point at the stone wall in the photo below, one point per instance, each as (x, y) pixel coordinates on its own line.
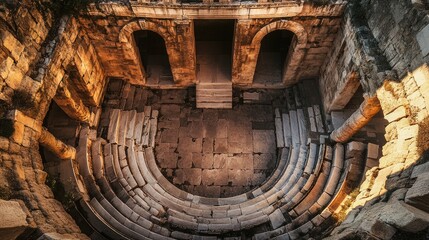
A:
(37, 51)
(391, 195)
(315, 27)
(339, 78)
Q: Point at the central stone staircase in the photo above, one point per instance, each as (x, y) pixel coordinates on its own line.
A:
(214, 95)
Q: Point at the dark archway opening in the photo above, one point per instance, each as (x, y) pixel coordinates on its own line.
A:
(154, 58)
(272, 56)
(213, 43)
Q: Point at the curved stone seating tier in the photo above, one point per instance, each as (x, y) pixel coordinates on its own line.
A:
(331, 189)
(124, 195)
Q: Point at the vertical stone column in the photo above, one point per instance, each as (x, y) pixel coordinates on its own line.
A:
(243, 54)
(70, 103)
(56, 146)
(357, 120)
(181, 53)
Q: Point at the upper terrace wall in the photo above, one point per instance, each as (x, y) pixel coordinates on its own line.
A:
(110, 27)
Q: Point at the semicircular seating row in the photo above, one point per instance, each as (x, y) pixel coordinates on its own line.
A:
(125, 196)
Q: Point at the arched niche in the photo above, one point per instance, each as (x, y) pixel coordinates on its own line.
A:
(154, 58)
(131, 50)
(272, 57)
(295, 53)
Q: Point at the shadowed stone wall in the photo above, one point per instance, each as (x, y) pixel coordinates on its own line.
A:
(392, 185)
(37, 51)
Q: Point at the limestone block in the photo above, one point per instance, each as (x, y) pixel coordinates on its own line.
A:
(277, 219)
(380, 182)
(377, 228)
(422, 39)
(421, 75)
(399, 113)
(12, 44)
(420, 169)
(5, 67)
(13, 220)
(418, 194)
(55, 236)
(353, 148)
(405, 217)
(373, 151)
(408, 132)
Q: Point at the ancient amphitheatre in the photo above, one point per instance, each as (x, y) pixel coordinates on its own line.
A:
(214, 119)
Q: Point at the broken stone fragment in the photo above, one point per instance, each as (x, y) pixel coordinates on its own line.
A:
(418, 194)
(405, 217)
(13, 220)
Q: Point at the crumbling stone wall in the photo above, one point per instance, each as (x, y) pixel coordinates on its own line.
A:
(37, 50)
(392, 189)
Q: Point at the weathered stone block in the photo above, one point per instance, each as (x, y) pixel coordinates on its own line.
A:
(12, 44)
(408, 132)
(420, 169)
(13, 221)
(418, 194)
(421, 74)
(354, 148)
(378, 228)
(396, 114)
(422, 39)
(373, 151)
(405, 217)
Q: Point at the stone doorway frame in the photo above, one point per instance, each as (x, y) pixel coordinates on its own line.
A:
(246, 55)
(296, 50)
(183, 70)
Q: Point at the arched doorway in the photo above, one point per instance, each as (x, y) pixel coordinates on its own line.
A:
(154, 58)
(273, 54)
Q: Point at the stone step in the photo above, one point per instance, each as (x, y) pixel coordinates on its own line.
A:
(146, 126)
(138, 129)
(280, 140)
(313, 195)
(153, 128)
(93, 217)
(114, 118)
(287, 133)
(83, 154)
(132, 163)
(97, 158)
(214, 95)
(123, 125)
(294, 128)
(213, 98)
(215, 105)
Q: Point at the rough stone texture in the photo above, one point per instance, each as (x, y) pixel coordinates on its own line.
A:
(13, 221)
(69, 60)
(35, 62)
(418, 194)
(405, 217)
(228, 151)
(404, 102)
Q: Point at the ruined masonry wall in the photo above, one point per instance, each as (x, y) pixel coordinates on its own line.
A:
(339, 73)
(35, 54)
(392, 187)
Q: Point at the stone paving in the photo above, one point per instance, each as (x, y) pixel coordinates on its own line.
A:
(215, 152)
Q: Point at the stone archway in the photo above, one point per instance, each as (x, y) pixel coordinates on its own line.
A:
(246, 64)
(129, 46)
(181, 54)
(296, 51)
